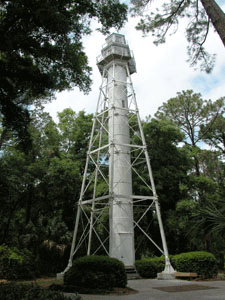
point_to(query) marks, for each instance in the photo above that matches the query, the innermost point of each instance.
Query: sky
(162, 71)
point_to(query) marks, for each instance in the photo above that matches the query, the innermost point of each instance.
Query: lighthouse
(116, 63)
(116, 157)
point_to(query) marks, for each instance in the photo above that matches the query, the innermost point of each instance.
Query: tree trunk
(217, 17)
(3, 136)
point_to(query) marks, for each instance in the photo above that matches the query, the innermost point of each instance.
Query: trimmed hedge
(96, 272)
(16, 264)
(200, 262)
(149, 267)
(25, 292)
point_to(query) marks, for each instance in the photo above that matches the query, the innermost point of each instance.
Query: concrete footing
(166, 276)
(60, 275)
(168, 273)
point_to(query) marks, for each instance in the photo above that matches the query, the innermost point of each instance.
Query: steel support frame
(98, 134)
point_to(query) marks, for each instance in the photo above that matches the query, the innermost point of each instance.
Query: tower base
(60, 276)
(166, 276)
(168, 273)
(132, 273)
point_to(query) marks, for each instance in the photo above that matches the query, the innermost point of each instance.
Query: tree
(178, 222)
(191, 113)
(208, 224)
(216, 135)
(41, 51)
(20, 175)
(39, 190)
(200, 16)
(215, 129)
(211, 218)
(169, 166)
(178, 187)
(169, 163)
(75, 130)
(12, 186)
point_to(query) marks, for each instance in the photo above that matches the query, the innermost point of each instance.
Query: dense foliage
(16, 264)
(200, 262)
(149, 267)
(96, 272)
(52, 258)
(41, 52)
(26, 292)
(39, 190)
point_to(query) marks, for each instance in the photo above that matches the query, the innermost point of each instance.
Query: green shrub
(200, 262)
(25, 292)
(96, 272)
(149, 267)
(219, 255)
(16, 264)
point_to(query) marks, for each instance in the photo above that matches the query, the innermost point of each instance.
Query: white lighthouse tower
(117, 64)
(117, 156)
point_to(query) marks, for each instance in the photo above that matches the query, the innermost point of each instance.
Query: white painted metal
(121, 208)
(112, 159)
